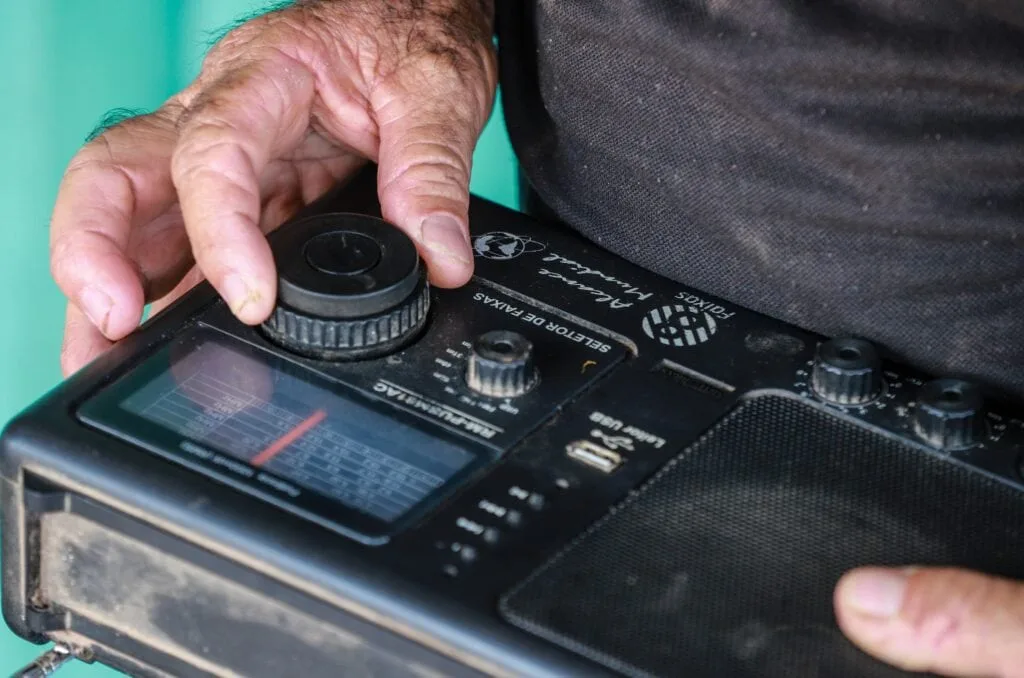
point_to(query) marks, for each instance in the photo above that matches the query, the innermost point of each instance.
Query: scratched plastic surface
(68, 63)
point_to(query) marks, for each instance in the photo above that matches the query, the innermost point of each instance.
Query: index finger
(235, 128)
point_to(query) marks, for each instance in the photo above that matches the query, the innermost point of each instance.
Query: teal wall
(66, 63)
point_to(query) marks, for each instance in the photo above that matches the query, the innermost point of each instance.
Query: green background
(66, 63)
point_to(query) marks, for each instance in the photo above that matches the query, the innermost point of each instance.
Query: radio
(569, 466)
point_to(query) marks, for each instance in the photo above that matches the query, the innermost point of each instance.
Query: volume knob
(949, 414)
(501, 365)
(847, 371)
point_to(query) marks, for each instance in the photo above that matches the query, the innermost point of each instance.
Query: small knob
(501, 365)
(350, 287)
(949, 414)
(847, 371)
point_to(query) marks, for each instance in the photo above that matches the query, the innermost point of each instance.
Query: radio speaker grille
(724, 564)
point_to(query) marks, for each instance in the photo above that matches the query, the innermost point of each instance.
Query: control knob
(501, 365)
(847, 371)
(949, 414)
(350, 287)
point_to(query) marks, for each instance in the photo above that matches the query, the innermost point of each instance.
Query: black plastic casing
(156, 569)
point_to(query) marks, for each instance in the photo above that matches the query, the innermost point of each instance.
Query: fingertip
(449, 278)
(124, 315)
(950, 621)
(250, 298)
(100, 281)
(446, 274)
(875, 592)
(83, 342)
(446, 246)
(868, 602)
(242, 271)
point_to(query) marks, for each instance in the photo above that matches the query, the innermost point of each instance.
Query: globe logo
(504, 246)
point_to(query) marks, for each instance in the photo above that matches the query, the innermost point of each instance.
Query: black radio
(569, 466)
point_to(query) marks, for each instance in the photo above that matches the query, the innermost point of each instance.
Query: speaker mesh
(725, 563)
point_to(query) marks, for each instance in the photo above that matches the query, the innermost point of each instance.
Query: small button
(492, 508)
(514, 518)
(518, 493)
(470, 526)
(467, 553)
(536, 501)
(492, 535)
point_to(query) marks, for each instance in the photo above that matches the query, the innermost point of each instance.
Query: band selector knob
(501, 365)
(847, 371)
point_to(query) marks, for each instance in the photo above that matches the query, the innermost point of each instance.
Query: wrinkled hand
(948, 622)
(286, 105)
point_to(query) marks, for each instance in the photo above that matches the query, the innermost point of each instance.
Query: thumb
(950, 622)
(429, 122)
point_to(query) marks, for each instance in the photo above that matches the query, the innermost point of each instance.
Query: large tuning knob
(501, 365)
(949, 414)
(847, 371)
(349, 287)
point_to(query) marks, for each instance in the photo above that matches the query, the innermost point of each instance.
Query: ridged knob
(950, 414)
(350, 287)
(501, 365)
(847, 371)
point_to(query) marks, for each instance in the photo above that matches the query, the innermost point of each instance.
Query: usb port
(594, 455)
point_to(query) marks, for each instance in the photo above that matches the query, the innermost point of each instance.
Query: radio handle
(47, 663)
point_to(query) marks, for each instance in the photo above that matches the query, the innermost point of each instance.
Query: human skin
(286, 105)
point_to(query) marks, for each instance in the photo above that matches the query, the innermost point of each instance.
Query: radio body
(570, 466)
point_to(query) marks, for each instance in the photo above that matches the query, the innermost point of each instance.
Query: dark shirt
(850, 166)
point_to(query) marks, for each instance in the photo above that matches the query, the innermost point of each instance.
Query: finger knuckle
(430, 200)
(439, 174)
(417, 184)
(87, 163)
(62, 257)
(121, 131)
(207, 250)
(435, 148)
(445, 28)
(99, 155)
(270, 91)
(447, 109)
(457, 77)
(66, 254)
(446, 42)
(208, 153)
(293, 31)
(212, 251)
(225, 104)
(105, 178)
(73, 256)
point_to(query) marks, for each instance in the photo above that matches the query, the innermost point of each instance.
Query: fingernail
(876, 593)
(444, 235)
(238, 293)
(96, 304)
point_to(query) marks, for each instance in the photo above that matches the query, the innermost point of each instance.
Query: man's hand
(285, 106)
(948, 622)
